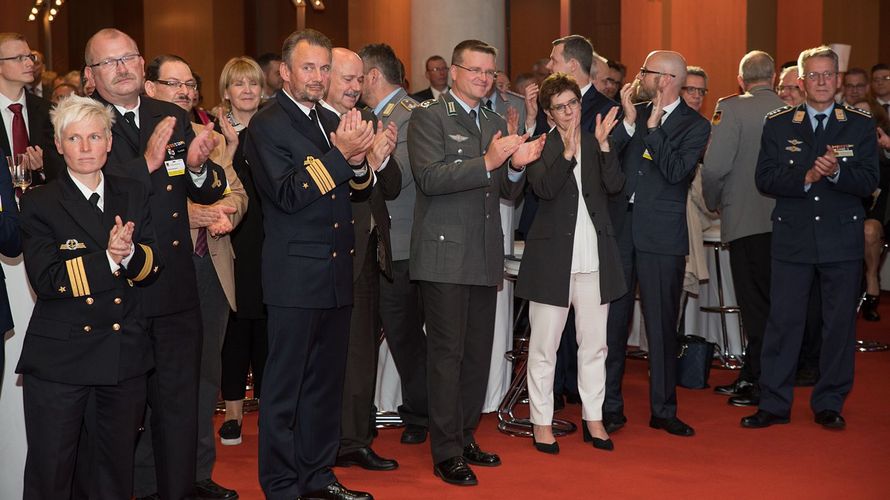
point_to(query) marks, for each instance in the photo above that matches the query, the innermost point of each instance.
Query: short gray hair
(75, 108)
(757, 66)
(822, 51)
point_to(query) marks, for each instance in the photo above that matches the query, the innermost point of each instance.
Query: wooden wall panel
(14, 18)
(856, 24)
(533, 25)
(761, 25)
(642, 29)
(382, 21)
(798, 26)
(601, 22)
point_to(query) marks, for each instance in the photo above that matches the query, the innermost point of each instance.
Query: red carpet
(723, 460)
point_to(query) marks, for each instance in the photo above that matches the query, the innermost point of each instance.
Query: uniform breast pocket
(461, 150)
(443, 248)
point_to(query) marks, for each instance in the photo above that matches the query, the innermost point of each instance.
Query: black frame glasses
(178, 85)
(644, 71)
(112, 62)
(479, 71)
(20, 58)
(695, 90)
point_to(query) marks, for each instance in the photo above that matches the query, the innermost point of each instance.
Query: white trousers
(547, 323)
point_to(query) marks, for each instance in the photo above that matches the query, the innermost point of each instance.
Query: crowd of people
(174, 249)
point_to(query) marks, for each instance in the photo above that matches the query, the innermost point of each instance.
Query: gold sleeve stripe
(147, 265)
(317, 179)
(359, 186)
(323, 171)
(72, 278)
(84, 283)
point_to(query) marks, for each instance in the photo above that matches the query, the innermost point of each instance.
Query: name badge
(646, 154)
(175, 167)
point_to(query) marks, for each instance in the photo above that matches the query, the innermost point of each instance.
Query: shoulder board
(429, 102)
(387, 110)
(728, 97)
(776, 112)
(409, 103)
(515, 94)
(858, 111)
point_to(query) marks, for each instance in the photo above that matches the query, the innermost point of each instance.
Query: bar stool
(508, 422)
(727, 359)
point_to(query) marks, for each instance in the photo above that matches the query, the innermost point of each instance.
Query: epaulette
(515, 94)
(409, 103)
(780, 111)
(858, 110)
(429, 102)
(728, 97)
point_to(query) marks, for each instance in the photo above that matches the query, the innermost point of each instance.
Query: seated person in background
(87, 337)
(875, 211)
(571, 260)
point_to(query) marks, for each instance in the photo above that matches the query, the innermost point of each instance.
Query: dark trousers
(812, 336)
(749, 259)
(790, 291)
(300, 410)
(401, 311)
(460, 330)
(660, 279)
(54, 417)
(168, 450)
(356, 426)
(245, 348)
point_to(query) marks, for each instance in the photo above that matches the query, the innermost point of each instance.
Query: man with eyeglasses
(788, 90)
(880, 84)
(155, 144)
(855, 86)
(696, 87)
(437, 74)
(463, 161)
(169, 78)
(661, 140)
(818, 160)
(615, 80)
(728, 187)
(25, 128)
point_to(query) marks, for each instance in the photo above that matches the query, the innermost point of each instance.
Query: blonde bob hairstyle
(75, 108)
(236, 69)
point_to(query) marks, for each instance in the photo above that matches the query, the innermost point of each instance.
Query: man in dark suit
(400, 307)
(819, 160)
(154, 143)
(437, 74)
(10, 246)
(25, 127)
(307, 165)
(463, 163)
(372, 255)
(662, 140)
(87, 342)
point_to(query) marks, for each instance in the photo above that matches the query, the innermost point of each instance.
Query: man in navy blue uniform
(307, 163)
(819, 160)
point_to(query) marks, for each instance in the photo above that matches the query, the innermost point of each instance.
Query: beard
(641, 93)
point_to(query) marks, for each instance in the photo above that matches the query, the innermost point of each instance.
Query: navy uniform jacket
(659, 167)
(176, 290)
(10, 243)
(87, 327)
(305, 191)
(825, 223)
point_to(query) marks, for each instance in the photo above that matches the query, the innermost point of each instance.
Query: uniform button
(791, 162)
(336, 225)
(175, 215)
(855, 217)
(334, 255)
(90, 301)
(176, 243)
(441, 237)
(459, 151)
(352, 221)
(639, 172)
(816, 198)
(487, 216)
(87, 329)
(169, 187)
(487, 195)
(333, 197)
(116, 326)
(117, 300)
(351, 251)
(817, 217)
(117, 273)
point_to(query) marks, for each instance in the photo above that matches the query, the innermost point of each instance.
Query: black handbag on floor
(694, 362)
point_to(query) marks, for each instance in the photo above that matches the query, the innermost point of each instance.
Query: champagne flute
(18, 168)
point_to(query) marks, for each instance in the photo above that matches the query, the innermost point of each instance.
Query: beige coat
(699, 219)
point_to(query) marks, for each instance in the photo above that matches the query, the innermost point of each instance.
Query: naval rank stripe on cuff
(319, 174)
(77, 277)
(147, 265)
(358, 186)
(317, 179)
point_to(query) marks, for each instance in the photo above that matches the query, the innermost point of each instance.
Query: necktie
(313, 115)
(94, 201)
(201, 242)
(130, 117)
(886, 107)
(473, 117)
(19, 131)
(820, 127)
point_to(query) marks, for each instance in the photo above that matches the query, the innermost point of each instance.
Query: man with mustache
(169, 78)
(154, 143)
(662, 139)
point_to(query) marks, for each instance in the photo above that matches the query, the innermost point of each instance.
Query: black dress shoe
(763, 419)
(870, 308)
(474, 454)
(455, 471)
(830, 419)
(336, 491)
(613, 421)
(672, 425)
(207, 489)
(603, 444)
(806, 376)
(550, 448)
(413, 434)
(750, 396)
(366, 459)
(733, 389)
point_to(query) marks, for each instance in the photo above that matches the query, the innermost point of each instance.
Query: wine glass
(21, 173)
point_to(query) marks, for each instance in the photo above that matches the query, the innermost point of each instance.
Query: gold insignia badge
(795, 142)
(793, 149)
(840, 115)
(387, 110)
(62, 289)
(409, 104)
(715, 120)
(72, 245)
(319, 174)
(798, 116)
(305, 185)
(646, 154)
(451, 110)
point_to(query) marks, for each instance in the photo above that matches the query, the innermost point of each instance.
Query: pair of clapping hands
(359, 140)
(120, 240)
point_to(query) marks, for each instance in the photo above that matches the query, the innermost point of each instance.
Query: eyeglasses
(176, 84)
(479, 72)
(564, 108)
(612, 81)
(695, 90)
(880, 79)
(112, 62)
(437, 70)
(787, 88)
(21, 58)
(644, 71)
(815, 76)
(858, 86)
